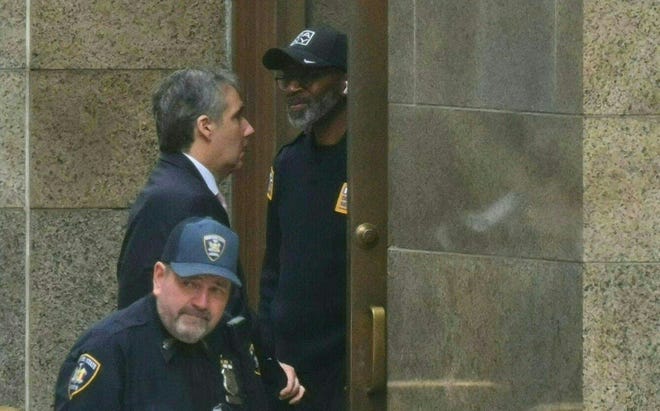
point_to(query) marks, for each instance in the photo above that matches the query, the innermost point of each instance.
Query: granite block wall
(523, 186)
(482, 333)
(12, 317)
(77, 142)
(13, 218)
(485, 279)
(524, 189)
(621, 205)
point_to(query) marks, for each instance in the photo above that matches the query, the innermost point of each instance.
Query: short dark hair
(181, 98)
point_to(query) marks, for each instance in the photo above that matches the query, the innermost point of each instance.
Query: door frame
(258, 26)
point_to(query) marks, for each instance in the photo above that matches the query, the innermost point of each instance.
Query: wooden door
(264, 24)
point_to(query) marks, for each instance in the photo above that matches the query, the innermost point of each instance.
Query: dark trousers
(324, 390)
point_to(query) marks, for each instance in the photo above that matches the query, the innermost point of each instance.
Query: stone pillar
(81, 73)
(621, 160)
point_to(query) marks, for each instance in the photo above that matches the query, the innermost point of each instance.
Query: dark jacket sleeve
(141, 248)
(79, 386)
(147, 233)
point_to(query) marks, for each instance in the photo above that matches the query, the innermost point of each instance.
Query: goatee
(317, 109)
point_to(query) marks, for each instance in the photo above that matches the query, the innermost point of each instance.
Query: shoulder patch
(87, 369)
(342, 200)
(271, 182)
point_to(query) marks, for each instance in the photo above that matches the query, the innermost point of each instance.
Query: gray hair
(184, 96)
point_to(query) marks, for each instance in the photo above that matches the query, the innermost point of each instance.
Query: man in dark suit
(202, 136)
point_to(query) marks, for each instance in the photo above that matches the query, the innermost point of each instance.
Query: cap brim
(277, 59)
(193, 269)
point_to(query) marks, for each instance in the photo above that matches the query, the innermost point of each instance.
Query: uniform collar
(171, 347)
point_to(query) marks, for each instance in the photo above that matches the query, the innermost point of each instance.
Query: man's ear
(204, 126)
(159, 274)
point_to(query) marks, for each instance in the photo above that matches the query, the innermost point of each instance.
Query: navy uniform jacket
(302, 308)
(175, 191)
(128, 361)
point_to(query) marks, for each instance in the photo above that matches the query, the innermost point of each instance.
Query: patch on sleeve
(271, 182)
(342, 200)
(87, 369)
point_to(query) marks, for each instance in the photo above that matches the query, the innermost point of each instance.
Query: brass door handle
(378, 351)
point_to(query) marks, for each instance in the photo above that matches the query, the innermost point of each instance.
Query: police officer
(164, 352)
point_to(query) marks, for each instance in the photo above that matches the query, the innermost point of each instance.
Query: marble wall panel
(12, 33)
(93, 138)
(12, 315)
(621, 337)
(620, 57)
(401, 46)
(73, 284)
(516, 55)
(485, 182)
(508, 330)
(12, 138)
(127, 34)
(622, 189)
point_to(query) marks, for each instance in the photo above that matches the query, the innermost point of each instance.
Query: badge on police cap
(214, 245)
(87, 369)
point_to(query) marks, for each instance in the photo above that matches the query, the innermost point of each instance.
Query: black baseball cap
(314, 47)
(202, 246)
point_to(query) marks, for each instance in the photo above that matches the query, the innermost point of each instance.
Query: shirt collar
(206, 174)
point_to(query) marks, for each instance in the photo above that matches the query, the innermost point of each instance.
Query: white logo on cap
(303, 38)
(214, 245)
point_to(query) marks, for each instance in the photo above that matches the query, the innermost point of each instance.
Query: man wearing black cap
(302, 309)
(160, 353)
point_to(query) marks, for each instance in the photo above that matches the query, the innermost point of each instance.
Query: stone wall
(77, 142)
(524, 245)
(523, 267)
(621, 181)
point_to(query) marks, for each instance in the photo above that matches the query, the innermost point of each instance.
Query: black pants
(324, 390)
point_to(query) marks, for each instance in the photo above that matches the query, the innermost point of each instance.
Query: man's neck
(199, 153)
(210, 178)
(331, 129)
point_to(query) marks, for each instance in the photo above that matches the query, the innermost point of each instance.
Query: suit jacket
(175, 191)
